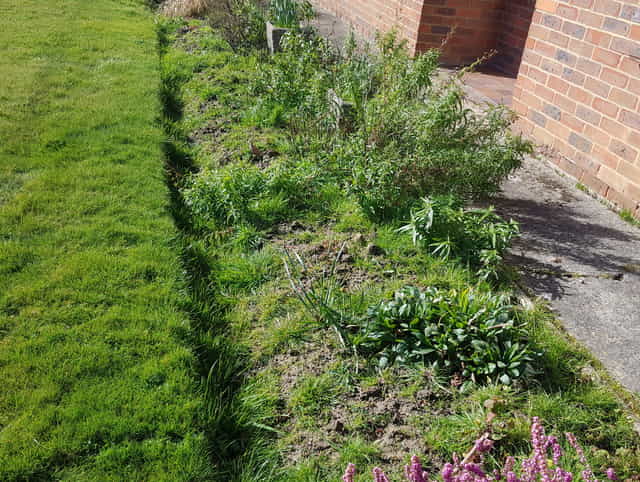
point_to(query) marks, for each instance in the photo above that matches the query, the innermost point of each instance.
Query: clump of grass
(627, 216)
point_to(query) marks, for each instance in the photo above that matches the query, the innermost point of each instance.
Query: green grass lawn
(97, 382)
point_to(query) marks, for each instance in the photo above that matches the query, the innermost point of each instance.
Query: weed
(477, 237)
(241, 22)
(314, 394)
(627, 216)
(243, 193)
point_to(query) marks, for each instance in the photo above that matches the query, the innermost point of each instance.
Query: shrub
(241, 22)
(295, 83)
(547, 462)
(410, 136)
(468, 334)
(477, 237)
(435, 145)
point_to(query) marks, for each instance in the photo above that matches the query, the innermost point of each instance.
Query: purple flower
(447, 472)
(379, 476)
(483, 445)
(536, 468)
(349, 473)
(474, 469)
(414, 473)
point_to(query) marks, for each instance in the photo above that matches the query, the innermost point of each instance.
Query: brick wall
(578, 90)
(512, 34)
(480, 25)
(370, 16)
(476, 23)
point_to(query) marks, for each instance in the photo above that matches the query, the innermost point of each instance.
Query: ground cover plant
(97, 372)
(291, 213)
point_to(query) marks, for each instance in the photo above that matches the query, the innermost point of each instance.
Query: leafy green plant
(289, 13)
(627, 215)
(473, 335)
(295, 83)
(477, 237)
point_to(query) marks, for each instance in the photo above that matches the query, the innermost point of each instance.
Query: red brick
(597, 87)
(608, 7)
(557, 84)
(611, 178)
(630, 65)
(629, 170)
(590, 18)
(592, 182)
(631, 119)
(623, 98)
(606, 107)
(614, 77)
(606, 57)
(623, 151)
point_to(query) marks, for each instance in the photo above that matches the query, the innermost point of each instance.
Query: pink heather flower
(475, 469)
(379, 476)
(483, 445)
(350, 473)
(447, 472)
(556, 449)
(414, 472)
(536, 468)
(509, 464)
(587, 473)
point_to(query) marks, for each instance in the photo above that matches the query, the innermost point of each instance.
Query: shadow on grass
(222, 363)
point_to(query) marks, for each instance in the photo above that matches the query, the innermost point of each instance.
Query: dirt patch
(380, 414)
(333, 255)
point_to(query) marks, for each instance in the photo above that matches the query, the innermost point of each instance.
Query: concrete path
(583, 259)
(574, 251)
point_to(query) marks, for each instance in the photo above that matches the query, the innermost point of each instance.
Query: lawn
(98, 380)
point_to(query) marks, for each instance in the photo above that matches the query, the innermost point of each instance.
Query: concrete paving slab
(582, 258)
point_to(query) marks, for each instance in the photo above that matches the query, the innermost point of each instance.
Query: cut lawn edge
(98, 377)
